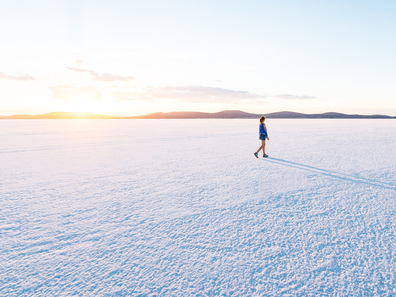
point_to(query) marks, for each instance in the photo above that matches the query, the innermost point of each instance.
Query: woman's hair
(262, 119)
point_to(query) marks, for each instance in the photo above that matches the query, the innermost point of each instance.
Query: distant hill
(226, 114)
(237, 114)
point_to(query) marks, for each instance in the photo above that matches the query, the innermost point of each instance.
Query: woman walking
(262, 137)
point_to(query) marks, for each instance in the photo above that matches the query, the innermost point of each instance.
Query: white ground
(182, 207)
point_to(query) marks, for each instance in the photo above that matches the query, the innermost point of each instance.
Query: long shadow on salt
(333, 174)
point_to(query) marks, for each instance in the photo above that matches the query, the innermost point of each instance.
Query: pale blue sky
(137, 57)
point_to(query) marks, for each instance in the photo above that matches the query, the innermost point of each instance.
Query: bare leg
(262, 146)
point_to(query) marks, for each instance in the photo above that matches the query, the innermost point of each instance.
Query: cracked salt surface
(182, 207)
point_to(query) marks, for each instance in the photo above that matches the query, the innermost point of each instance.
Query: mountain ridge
(225, 114)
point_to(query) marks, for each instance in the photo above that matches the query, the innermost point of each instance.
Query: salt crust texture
(183, 208)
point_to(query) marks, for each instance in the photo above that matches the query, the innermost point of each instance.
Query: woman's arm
(266, 132)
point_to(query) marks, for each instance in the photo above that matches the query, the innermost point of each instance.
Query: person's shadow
(332, 174)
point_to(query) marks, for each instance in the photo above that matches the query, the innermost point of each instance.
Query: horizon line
(190, 115)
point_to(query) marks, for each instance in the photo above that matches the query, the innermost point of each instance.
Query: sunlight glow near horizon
(256, 56)
(82, 104)
(85, 104)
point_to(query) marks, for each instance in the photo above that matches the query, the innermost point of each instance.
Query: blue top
(263, 130)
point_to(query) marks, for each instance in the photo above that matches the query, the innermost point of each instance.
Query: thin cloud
(293, 97)
(20, 77)
(110, 77)
(197, 94)
(67, 93)
(102, 77)
(79, 63)
(78, 69)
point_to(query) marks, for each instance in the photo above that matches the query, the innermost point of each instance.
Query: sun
(82, 104)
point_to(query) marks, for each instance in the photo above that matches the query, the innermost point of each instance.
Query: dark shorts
(263, 136)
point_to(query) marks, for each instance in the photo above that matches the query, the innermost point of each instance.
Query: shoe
(256, 155)
(265, 156)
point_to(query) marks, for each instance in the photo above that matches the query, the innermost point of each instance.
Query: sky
(125, 57)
